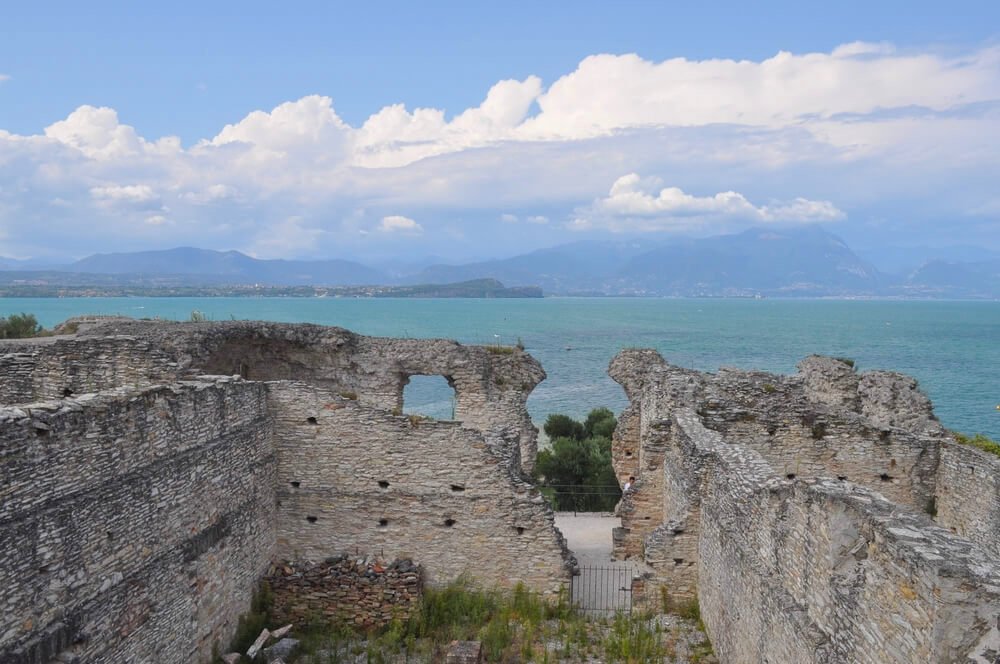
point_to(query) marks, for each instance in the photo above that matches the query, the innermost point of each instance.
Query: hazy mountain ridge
(232, 265)
(789, 262)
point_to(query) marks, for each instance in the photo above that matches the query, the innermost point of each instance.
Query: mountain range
(758, 262)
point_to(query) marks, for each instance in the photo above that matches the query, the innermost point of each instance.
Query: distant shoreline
(392, 292)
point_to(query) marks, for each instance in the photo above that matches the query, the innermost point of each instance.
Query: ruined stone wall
(361, 591)
(829, 421)
(808, 564)
(968, 494)
(352, 478)
(875, 429)
(35, 370)
(828, 571)
(491, 384)
(134, 525)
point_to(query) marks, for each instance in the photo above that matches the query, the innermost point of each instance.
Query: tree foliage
(19, 326)
(576, 472)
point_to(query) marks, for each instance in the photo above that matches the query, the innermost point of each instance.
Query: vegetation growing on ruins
(513, 626)
(979, 441)
(576, 472)
(20, 326)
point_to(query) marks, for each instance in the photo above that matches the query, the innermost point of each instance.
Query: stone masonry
(152, 472)
(364, 592)
(798, 511)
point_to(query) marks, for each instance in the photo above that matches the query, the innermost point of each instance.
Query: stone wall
(134, 524)
(35, 370)
(365, 592)
(834, 560)
(968, 494)
(875, 429)
(491, 384)
(352, 478)
(828, 571)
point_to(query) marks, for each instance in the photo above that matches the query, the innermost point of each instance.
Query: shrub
(563, 426)
(979, 440)
(19, 326)
(577, 468)
(500, 350)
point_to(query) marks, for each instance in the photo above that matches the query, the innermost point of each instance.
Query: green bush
(562, 426)
(500, 350)
(576, 472)
(979, 440)
(19, 326)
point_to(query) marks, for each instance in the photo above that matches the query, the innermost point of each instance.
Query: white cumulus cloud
(133, 193)
(641, 204)
(399, 224)
(864, 122)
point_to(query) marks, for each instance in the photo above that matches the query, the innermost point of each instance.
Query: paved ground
(588, 535)
(602, 583)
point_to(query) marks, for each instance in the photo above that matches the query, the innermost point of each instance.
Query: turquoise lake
(952, 348)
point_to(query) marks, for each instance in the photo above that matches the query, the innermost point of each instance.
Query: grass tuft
(979, 441)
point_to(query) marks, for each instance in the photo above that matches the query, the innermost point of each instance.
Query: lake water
(952, 348)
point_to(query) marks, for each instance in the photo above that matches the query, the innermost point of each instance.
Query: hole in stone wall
(885, 477)
(884, 435)
(457, 487)
(520, 530)
(382, 484)
(841, 477)
(43, 569)
(678, 561)
(311, 519)
(892, 463)
(295, 483)
(790, 476)
(312, 420)
(430, 396)
(67, 392)
(110, 535)
(449, 523)
(42, 432)
(677, 531)
(628, 453)
(382, 523)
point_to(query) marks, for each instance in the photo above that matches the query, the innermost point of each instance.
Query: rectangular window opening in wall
(429, 396)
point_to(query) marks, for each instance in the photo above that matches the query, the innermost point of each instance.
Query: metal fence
(602, 590)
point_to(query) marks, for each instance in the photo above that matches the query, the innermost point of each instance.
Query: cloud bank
(811, 137)
(640, 204)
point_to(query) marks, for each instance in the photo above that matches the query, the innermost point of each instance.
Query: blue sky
(880, 124)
